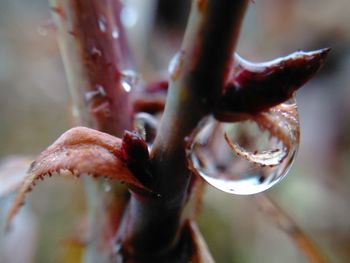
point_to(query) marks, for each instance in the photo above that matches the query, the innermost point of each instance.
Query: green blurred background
(35, 109)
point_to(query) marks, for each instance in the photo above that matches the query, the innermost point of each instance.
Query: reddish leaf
(256, 87)
(79, 151)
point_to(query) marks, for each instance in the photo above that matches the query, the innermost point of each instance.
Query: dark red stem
(95, 31)
(151, 226)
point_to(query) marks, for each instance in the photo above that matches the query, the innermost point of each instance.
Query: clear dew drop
(146, 125)
(174, 62)
(126, 85)
(107, 187)
(129, 79)
(175, 65)
(115, 33)
(102, 24)
(250, 156)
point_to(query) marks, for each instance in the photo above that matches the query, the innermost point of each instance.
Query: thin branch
(94, 49)
(95, 52)
(287, 225)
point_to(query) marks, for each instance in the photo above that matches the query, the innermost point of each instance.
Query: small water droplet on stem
(102, 25)
(115, 33)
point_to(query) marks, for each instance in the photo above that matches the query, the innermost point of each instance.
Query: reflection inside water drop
(250, 156)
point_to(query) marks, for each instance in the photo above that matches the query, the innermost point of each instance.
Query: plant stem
(94, 50)
(151, 226)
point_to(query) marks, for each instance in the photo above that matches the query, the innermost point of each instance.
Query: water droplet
(175, 65)
(107, 187)
(146, 125)
(126, 85)
(102, 24)
(128, 16)
(115, 33)
(129, 79)
(130, 76)
(250, 156)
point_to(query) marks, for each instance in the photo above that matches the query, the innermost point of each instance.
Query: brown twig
(287, 225)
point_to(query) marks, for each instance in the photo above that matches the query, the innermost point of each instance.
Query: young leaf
(79, 151)
(256, 87)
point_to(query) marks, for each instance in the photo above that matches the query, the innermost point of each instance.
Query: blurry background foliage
(35, 109)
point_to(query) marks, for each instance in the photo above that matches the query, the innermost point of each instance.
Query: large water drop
(249, 156)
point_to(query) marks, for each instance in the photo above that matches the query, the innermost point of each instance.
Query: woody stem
(198, 76)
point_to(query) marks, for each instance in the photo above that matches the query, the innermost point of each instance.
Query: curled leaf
(256, 87)
(79, 151)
